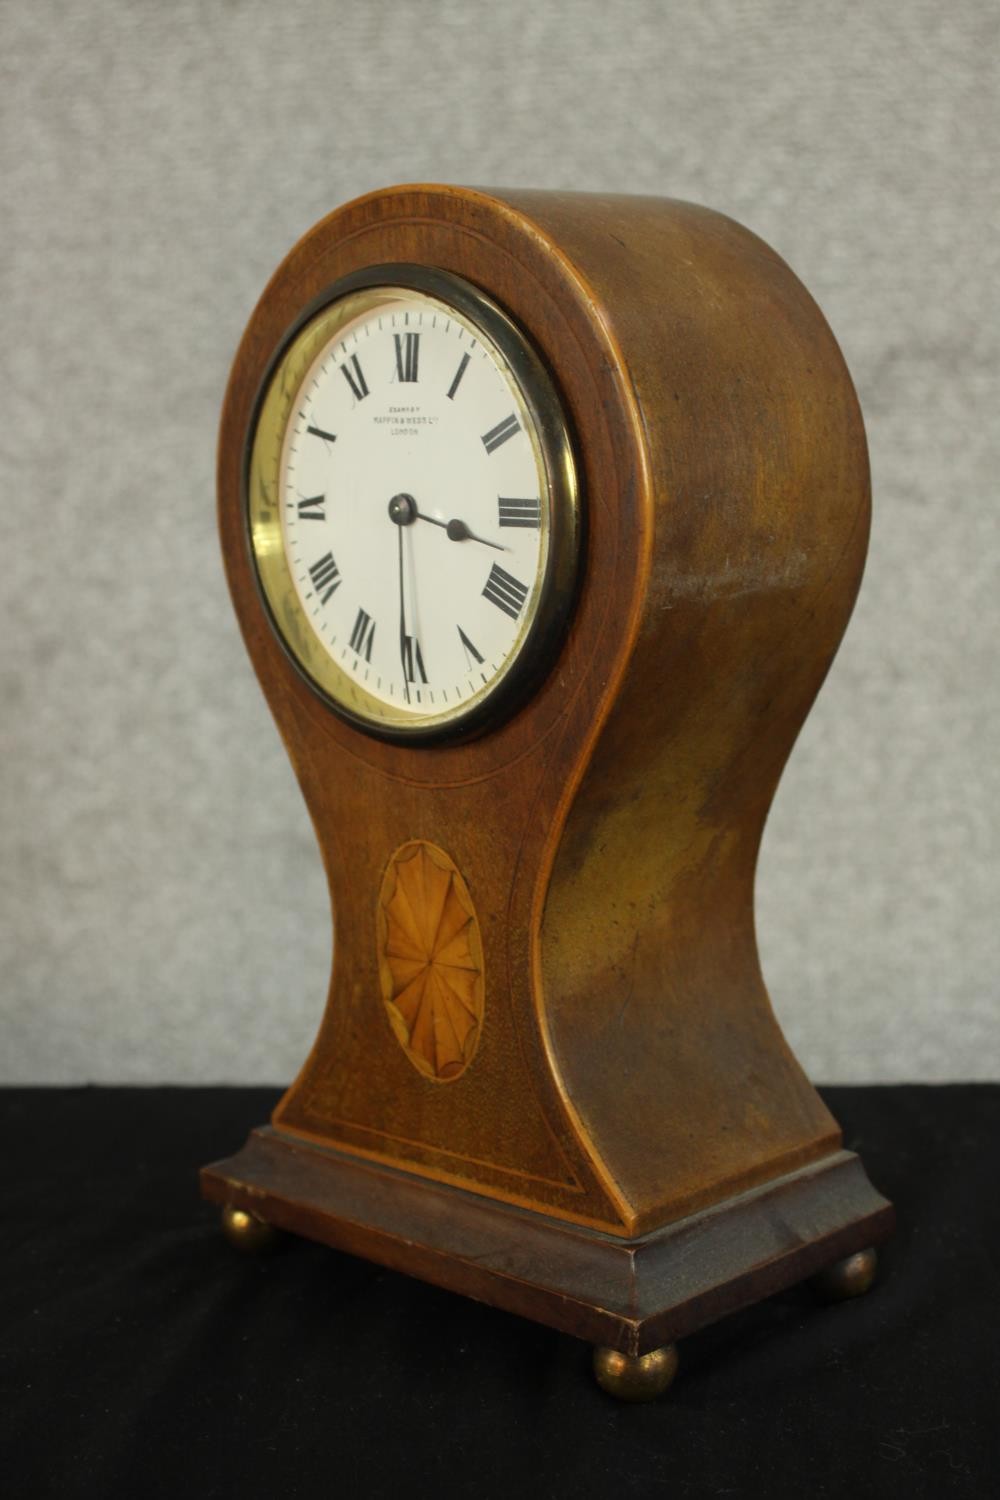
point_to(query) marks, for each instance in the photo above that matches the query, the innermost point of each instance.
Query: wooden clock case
(633, 1149)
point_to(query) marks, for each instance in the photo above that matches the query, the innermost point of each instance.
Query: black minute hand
(402, 619)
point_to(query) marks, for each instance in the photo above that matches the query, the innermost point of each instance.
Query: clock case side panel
(504, 1129)
(653, 1001)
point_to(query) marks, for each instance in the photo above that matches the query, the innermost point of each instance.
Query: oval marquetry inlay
(430, 960)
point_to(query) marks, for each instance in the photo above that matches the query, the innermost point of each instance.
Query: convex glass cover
(412, 505)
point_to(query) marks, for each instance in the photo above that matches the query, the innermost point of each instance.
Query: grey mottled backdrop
(164, 912)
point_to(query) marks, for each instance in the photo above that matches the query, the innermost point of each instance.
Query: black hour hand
(459, 532)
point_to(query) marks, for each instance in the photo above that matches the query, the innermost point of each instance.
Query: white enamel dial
(414, 506)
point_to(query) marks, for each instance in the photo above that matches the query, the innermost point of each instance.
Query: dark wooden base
(629, 1295)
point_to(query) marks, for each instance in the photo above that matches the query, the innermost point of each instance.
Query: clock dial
(412, 517)
(412, 507)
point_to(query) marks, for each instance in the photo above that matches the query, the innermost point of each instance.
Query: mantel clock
(543, 515)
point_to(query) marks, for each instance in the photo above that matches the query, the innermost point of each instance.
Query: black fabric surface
(141, 1356)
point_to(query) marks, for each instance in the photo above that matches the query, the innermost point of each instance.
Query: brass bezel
(548, 430)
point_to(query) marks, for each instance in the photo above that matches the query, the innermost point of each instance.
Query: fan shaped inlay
(430, 960)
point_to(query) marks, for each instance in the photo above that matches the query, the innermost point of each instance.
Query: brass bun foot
(246, 1232)
(640, 1377)
(850, 1277)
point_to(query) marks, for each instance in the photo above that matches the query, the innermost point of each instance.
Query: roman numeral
(470, 650)
(520, 512)
(413, 661)
(328, 437)
(363, 635)
(505, 591)
(312, 509)
(407, 355)
(500, 433)
(458, 376)
(355, 378)
(326, 577)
